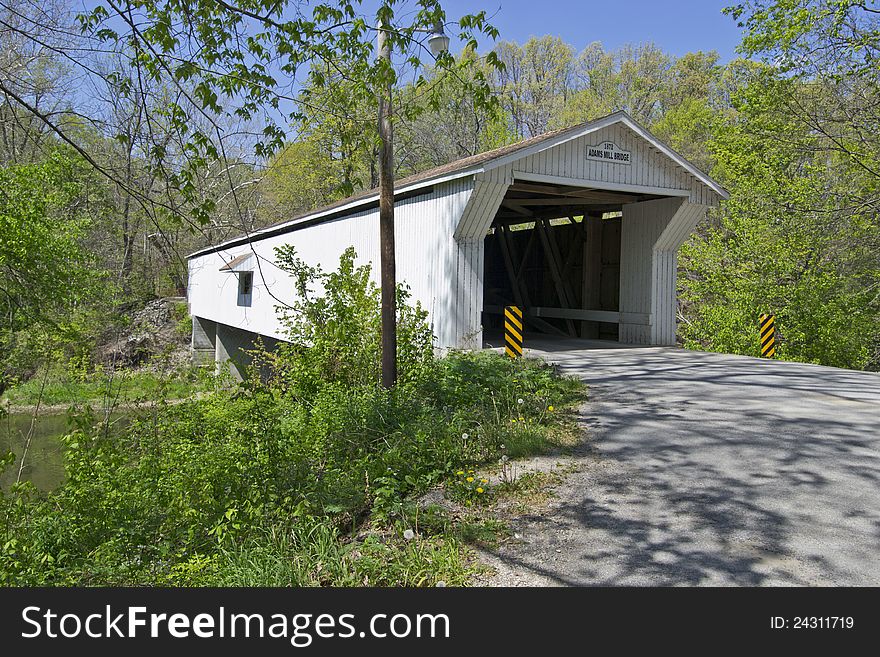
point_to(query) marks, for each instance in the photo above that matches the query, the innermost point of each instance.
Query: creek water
(44, 463)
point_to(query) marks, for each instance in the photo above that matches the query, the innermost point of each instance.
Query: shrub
(334, 329)
(264, 482)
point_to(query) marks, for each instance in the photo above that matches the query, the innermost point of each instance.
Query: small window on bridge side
(245, 287)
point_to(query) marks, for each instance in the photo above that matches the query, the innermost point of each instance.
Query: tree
(800, 236)
(459, 127)
(535, 82)
(30, 69)
(44, 271)
(826, 59)
(640, 80)
(302, 177)
(782, 244)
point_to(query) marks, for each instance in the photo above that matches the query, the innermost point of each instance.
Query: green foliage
(303, 176)
(545, 85)
(468, 488)
(221, 59)
(841, 36)
(781, 246)
(261, 483)
(44, 269)
(334, 332)
(81, 383)
(534, 81)
(800, 155)
(312, 554)
(459, 126)
(486, 532)
(687, 127)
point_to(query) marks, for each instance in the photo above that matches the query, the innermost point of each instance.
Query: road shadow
(713, 469)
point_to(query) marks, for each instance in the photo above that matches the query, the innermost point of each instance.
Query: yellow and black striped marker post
(513, 329)
(768, 335)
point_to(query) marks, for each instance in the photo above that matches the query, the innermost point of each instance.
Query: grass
(486, 525)
(530, 489)
(484, 532)
(255, 486)
(526, 439)
(123, 387)
(308, 472)
(478, 527)
(312, 554)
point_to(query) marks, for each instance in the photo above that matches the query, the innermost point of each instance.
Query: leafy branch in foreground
(233, 67)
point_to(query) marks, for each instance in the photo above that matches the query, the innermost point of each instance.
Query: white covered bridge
(580, 227)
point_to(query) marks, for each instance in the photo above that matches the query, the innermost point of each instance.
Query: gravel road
(709, 469)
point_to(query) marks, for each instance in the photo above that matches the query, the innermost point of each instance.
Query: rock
(152, 330)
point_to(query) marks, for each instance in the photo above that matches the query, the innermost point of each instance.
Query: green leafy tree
(826, 58)
(632, 79)
(799, 236)
(44, 271)
(781, 244)
(535, 82)
(302, 176)
(458, 127)
(334, 328)
(237, 65)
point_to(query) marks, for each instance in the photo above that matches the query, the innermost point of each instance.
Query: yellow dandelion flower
(479, 490)
(460, 472)
(550, 409)
(469, 479)
(485, 481)
(522, 419)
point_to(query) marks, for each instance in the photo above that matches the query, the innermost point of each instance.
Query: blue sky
(677, 26)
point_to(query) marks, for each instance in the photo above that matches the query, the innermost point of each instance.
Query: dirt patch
(529, 494)
(525, 491)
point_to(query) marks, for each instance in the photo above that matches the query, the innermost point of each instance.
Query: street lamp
(438, 42)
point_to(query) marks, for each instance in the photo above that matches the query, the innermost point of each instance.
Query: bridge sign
(608, 151)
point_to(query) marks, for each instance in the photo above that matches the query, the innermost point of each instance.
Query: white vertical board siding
(424, 243)
(440, 238)
(461, 325)
(663, 302)
(651, 233)
(642, 225)
(465, 259)
(649, 167)
(457, 286)
(665, 269)
(481, 207)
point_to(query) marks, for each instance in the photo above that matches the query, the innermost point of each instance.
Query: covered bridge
(580, 227)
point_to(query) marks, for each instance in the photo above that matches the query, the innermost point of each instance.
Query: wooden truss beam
(514, 274)
(518, 208)
(537, 202)
(575, 192)
(551, 251)
(555, 212)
